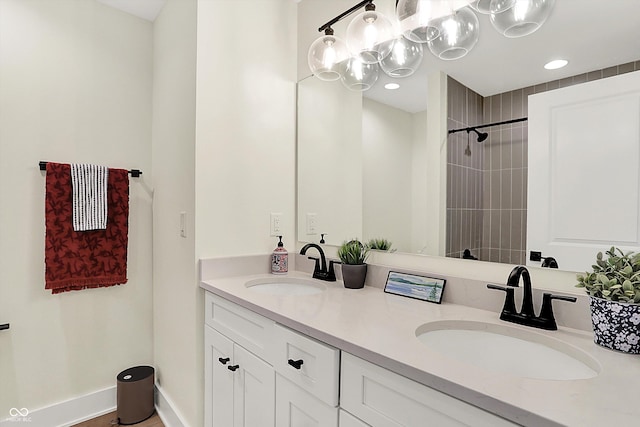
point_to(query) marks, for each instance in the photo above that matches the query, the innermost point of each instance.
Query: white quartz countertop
(380, 328)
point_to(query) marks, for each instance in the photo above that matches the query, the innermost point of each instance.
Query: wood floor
(106, 421)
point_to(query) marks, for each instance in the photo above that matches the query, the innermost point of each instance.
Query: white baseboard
(65, 413)
(83, 408)
(165, 409)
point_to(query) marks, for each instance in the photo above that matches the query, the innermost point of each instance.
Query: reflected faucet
(320, 270)
(527, 316)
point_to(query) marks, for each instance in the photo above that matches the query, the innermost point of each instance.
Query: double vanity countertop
(381, 328)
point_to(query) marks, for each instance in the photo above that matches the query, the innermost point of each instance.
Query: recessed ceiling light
(391, 86)
(555, 64)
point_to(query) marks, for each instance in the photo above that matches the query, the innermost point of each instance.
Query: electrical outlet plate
(276, 223)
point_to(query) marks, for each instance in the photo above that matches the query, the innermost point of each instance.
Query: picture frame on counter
(415, 286)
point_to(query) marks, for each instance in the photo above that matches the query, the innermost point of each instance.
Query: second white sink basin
(508, 350)
(285, 286)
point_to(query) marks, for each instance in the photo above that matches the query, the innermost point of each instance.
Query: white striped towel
(89, 184)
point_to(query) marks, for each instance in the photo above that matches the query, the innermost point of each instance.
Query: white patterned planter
(616, 325)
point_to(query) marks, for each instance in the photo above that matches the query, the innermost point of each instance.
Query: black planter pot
(353, 275)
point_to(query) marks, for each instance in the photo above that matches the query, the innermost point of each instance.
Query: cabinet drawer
(296, 407)
(252, 331)
(385, 399)
(310, 364)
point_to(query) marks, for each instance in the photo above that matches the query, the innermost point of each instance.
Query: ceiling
(590, 34)
(145, 9)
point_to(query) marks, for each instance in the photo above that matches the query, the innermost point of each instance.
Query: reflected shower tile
(540, 88)
(525, 178)
(517, 146)
(506, 100)
(495, 190)
(626, 68)
(505, 189)
(580, 78)
(465, 242)
(505, 229)
(495, 228)
(594, 75)
(517, 188)
(609, 72)
(530, 90)
(486, 189)
(568, 81)
(555, 84)
(505, 256)
(516, 230)
(516, 103)
(505, 147)
(495, 108)
(494, 146)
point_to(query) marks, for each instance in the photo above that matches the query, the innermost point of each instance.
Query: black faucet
(527, 316)
(320, 270)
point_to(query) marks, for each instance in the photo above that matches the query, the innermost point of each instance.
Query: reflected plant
(380, 244)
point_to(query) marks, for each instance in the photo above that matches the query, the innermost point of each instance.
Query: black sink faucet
(527, 316)
(320, 270)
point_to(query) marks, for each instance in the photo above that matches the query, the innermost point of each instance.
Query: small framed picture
(414, 286)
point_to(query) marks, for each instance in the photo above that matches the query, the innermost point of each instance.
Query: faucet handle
(331, 274)
(316, 268)
(546, 312)
(509, 300)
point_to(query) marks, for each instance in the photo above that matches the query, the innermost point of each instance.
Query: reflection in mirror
(487, 187)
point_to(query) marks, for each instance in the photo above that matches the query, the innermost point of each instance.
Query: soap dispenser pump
(280, 259)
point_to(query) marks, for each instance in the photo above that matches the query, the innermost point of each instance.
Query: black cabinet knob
(233, 367)
(296, 363)
(223, 360)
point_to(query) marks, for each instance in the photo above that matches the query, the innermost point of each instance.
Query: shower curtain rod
(135, 173)
(506, 122)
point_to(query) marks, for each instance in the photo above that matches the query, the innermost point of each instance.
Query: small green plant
(353, 252)
(616, 278)
(380, 244)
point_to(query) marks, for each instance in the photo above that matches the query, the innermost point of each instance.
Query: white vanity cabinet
(261, 374)
(239, 378)
(382, 398)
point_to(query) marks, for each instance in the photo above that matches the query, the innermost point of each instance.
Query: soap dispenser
(280, 259)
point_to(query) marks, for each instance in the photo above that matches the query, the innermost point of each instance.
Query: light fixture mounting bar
(344, 14)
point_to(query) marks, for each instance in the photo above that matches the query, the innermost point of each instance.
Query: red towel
(76, 260)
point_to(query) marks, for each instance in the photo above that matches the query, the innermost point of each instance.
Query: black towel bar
(135, 173)
(4, 326)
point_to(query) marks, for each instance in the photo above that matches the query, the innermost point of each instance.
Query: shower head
(481, 135)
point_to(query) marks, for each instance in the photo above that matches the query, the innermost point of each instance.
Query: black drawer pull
(296, 363)
(233, 367)
(224, 360)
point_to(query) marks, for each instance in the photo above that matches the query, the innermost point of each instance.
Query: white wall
(177, 345)
(387, 150)
(73, 88)
(245, 125)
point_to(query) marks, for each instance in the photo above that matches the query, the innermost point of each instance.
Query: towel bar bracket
(135, 173)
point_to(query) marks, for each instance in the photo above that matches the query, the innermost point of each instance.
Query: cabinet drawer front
(296, 407)
(252, 331)
(385, 399)
(348, 420)
(318, 372)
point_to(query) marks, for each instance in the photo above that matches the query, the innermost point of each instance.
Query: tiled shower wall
(487, 191)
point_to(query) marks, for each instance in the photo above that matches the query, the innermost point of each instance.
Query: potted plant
(379, 244)
(614, 288)
(353, 255)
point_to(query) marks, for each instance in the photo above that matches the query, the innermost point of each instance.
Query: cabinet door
(348, 420)
(297, 408)
(253, 391)
(218, 380)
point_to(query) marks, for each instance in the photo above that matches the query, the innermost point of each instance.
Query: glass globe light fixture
(369, 35)
(458, 35)
(522, 18)
(325, 55)
(357, 75)
(419, 18)
(404, 59)
(482, 6)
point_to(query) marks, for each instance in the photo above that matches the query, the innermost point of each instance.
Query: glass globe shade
(498, 6)
(482, 6)
(458, 35)
(325, 55)
(419, 18)
(404, 59)
(358, 76)
(369, 35)
(522, 18)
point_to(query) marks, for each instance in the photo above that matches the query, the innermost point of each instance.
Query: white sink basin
(508, 350)
(285, 286)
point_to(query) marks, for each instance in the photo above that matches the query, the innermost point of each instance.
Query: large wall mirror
(360, 155)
